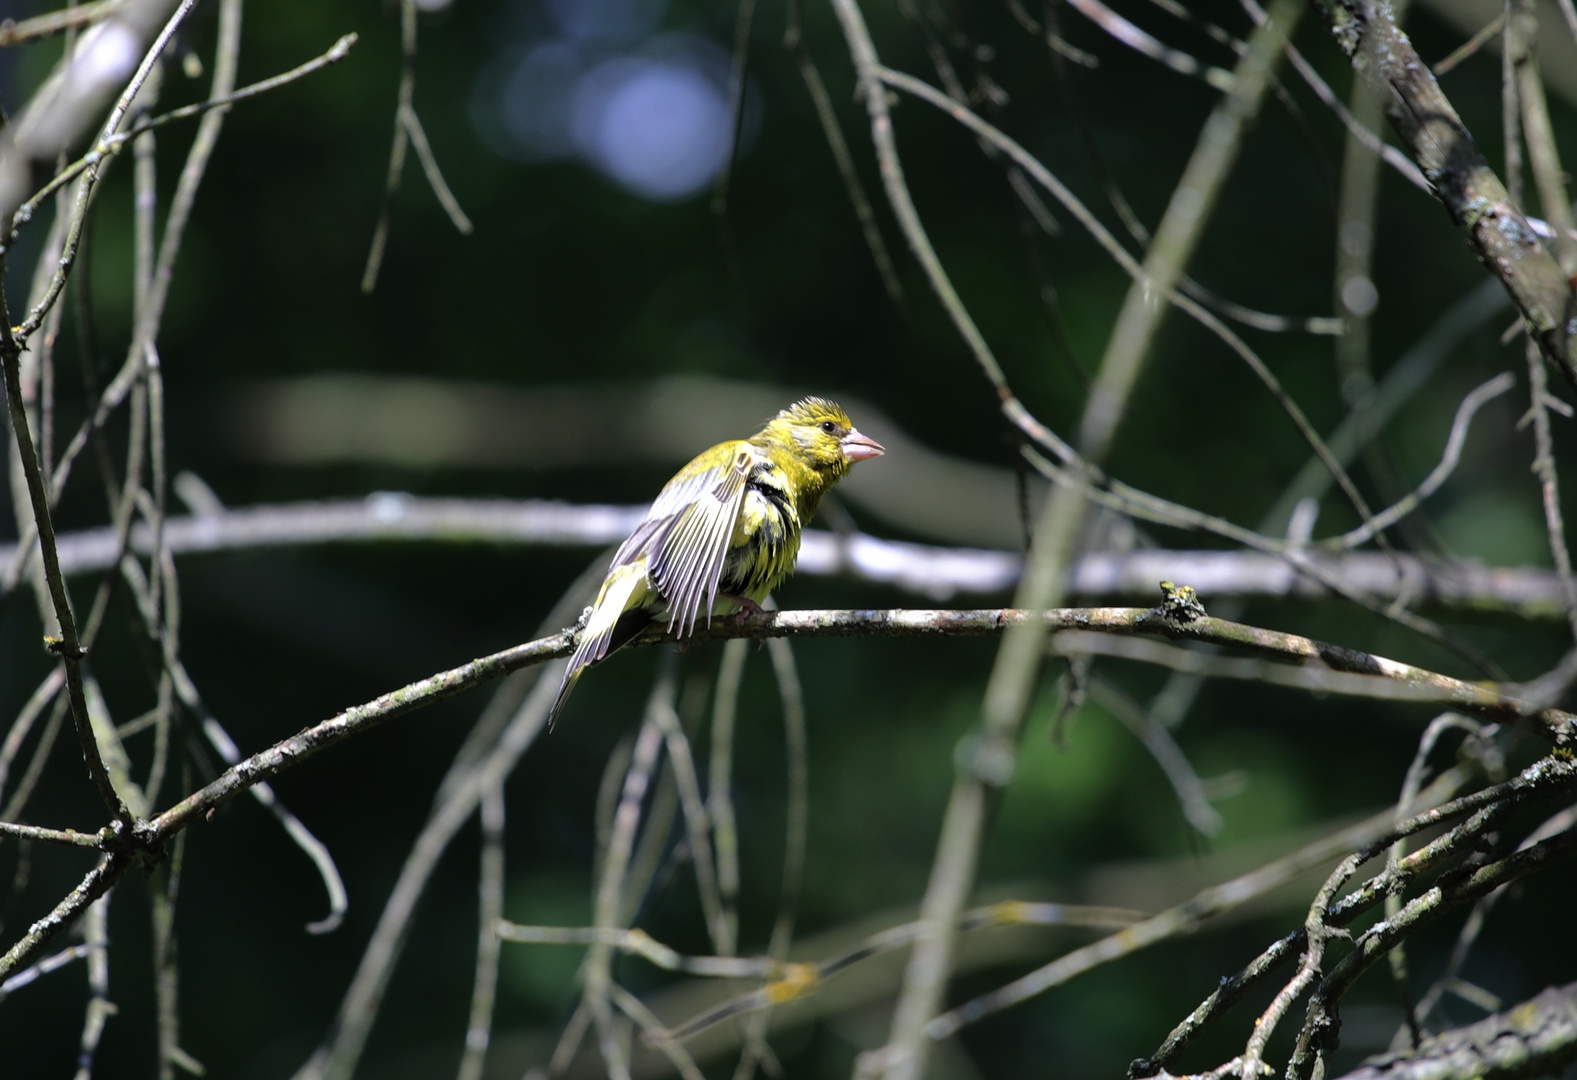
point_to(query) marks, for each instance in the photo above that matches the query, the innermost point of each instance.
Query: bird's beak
(857, 447)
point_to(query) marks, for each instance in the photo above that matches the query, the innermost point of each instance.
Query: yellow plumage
(723, 533)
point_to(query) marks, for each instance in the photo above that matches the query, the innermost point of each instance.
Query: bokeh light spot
(659, 128)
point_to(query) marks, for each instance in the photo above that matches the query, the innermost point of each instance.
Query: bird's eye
(828, 426)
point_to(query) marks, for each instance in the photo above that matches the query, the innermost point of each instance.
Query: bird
(722, 534)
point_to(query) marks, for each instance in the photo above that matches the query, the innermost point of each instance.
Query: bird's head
(820, 434)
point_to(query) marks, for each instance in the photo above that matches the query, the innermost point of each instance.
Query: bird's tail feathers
(566, 685)
(595, 638)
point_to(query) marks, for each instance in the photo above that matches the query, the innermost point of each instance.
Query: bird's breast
(765, 541)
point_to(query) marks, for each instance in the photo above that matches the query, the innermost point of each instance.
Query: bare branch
(456, 801)
(939, 573)
(53, 836)
(54, 22)
(490, 891)
(797, 980)
(1536, 1038)
(1439, 474)
(1438, 141)
(72, 99)
(1130, 35)
(1372, 836)
(94, 885)
(1470, 46)
(1549, 482)
(100, 1008)
(1543, 154)
(1318, 1037)
(1477, 698)
(793, 40)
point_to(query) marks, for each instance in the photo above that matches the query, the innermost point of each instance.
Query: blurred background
(611, 314)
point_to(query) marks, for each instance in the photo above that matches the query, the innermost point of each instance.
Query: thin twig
(44, 967)
(166, 882)
(867, 69)
(1449, 458)
(391, 183)
(1315, 937)
(720, 778)
(986, 761)
(738, 67)
(791, 693)
(1569, 12)
(113, 143)
(697, 826)
(1318, 1039)
(793, 40)
(1549, 482)
(1449, 979)
(1103, 413)
(435, 176)
(22, 726)
(1355, 293)
(1405, 807)
(1180, 774)
(54, 836)
(54, 22)
(1322, 90)
(797, 980)
(97, 882)
(99, 1008)
(1309, 676)
(111, 125)
(1404, 379)
(69, 646)
(490, 893)
(456, 802)
(1120, 29)
(1234, 987)
(1544, 157)
(637, 942)
(35, 766)
(1470, 46)
(1370, 838)
(653, 1030)
(1144, 506)
(597, 973)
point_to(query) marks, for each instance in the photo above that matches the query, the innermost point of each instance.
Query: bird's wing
(685, 534)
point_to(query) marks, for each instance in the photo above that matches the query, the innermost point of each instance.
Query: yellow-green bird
(723, 533)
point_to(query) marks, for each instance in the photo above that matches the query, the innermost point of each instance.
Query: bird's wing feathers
(686, 533)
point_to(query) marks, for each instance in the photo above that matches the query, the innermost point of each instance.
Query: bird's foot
(747, 606)
(579, 624)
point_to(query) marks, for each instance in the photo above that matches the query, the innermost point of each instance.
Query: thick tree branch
(1437, 139)
(1536, 1038)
